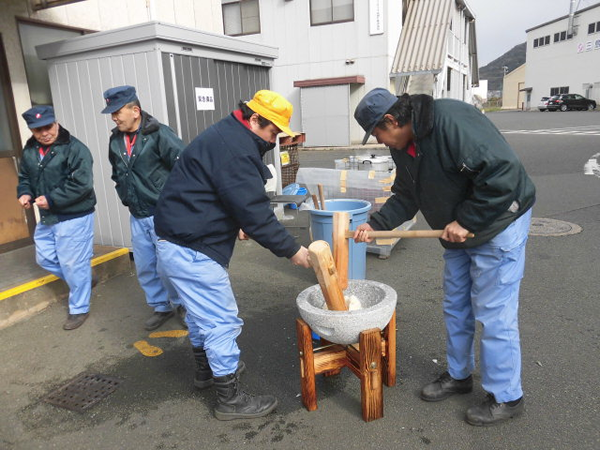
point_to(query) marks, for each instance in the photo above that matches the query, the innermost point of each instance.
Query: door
(14, 229)
(326, 115)
(578, 102)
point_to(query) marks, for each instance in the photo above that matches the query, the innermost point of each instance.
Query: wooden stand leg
(389, 359)
(307, 365)
(370, 370)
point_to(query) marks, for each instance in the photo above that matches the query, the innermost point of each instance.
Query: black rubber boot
(233, 403)
(203, 377)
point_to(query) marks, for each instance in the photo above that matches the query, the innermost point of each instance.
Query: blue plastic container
(321, 224)
(293, 189)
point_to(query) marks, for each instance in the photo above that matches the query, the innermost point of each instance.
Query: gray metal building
(185, 78)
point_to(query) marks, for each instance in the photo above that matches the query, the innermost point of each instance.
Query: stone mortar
(378, 302)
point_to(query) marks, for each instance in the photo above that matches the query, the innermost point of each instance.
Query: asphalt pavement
(157, 407)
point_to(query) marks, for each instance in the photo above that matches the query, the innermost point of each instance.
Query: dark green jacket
(464, 170)
(64, 176)
(140, 179)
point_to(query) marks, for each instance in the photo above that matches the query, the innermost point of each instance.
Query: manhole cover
(551, 227)
(84, 391)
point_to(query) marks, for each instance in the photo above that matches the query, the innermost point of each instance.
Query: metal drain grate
(83, 392)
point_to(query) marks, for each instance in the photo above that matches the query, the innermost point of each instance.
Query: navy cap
(372, 108)
(118, 97)
(39, 116)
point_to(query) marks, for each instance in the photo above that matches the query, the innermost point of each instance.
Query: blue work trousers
(160, 295)
(65, 249)
(482, 284)
(212, 313)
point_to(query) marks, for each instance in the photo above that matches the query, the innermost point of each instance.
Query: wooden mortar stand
(372, 360)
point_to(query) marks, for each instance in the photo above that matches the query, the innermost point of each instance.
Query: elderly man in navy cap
(56, 176)
(142, 152)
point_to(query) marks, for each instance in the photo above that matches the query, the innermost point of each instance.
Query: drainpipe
(572, 8)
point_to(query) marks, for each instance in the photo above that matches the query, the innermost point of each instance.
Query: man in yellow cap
(215, 191)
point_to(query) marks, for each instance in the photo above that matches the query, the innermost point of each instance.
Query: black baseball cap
(372, 108)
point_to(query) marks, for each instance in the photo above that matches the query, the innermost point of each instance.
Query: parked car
(543, 105)
(566, 102)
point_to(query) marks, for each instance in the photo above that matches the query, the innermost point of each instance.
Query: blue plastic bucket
(321, 224)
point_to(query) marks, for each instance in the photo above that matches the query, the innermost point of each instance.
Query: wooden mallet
(341, 245)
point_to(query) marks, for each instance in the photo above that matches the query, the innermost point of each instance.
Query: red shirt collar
(412, 149)
(238, 115)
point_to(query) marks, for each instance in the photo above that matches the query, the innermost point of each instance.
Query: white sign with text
(205, 99)
(375, 17)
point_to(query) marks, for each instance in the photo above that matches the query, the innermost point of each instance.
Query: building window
(594, 28)
(559, 90)
(32, 34)
(37, 5)
(449, 80)
(240, 17)
(562, 36)
(541, 41)
(331, 11)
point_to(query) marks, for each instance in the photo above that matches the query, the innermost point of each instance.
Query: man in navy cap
(142, 152)
(455, 167)
(56, 176)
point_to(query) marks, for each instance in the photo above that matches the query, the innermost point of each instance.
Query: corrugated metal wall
(165, 63)
(230, 81)
(77, 88)
(423, 42)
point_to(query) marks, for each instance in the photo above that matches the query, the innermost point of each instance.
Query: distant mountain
(494, 73)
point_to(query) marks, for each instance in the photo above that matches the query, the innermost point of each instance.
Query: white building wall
(327, 51)
(573, 62)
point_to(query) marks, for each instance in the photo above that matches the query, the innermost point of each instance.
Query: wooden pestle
(324, 267)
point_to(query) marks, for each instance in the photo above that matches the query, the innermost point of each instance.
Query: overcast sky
(501, 24)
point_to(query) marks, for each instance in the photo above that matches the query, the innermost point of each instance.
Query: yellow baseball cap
(274, 107)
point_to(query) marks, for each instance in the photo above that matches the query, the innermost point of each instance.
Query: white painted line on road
(593, 130)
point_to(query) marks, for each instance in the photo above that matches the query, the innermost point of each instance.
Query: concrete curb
(32, 297)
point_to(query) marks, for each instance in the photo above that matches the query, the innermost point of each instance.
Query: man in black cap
(142, 152)
(455, 167)
(56, 176)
